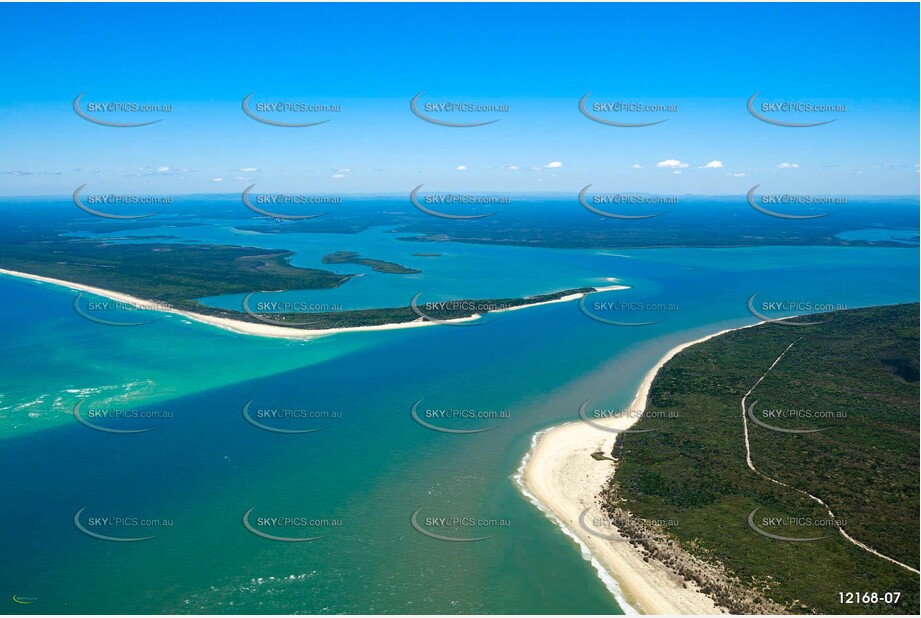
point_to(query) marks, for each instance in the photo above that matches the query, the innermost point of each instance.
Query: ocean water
(357, 482)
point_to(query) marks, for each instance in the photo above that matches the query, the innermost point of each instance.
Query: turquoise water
(371, 466)
(459, 271)
(53, 358)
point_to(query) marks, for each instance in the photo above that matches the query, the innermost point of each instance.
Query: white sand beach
(269, 330)
(560, 476)
(563, 299)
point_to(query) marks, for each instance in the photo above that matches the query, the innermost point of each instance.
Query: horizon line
(237, 194)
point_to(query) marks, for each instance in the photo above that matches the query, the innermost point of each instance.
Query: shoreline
(560, 478)
(268, 330)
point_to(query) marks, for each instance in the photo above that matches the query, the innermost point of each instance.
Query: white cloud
(338, 176)
(217, 179)
(712, 165)
(163, 170)
(512, 167)
(671, 163)
(248, 169)
(736, 174)
(553, 165)
(788, 166)
(345, 170)
(461, 168)
(676, 172)
(637, 166)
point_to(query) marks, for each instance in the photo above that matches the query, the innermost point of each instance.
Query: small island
(381, 266)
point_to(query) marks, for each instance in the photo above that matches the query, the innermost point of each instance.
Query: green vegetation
(695, 221)
(447, 310)
(351, 257)
(858, 370)
(177, 275)
(167, 272)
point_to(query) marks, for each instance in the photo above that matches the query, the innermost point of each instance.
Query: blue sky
(538, 59)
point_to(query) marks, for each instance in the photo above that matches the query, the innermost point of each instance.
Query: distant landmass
(550, 222)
